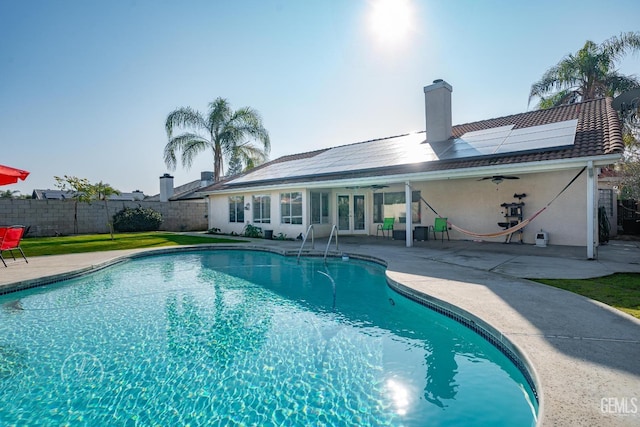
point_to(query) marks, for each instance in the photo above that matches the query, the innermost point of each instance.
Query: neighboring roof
(186, 191)
(132, 197)
(62, 195)
(593, 125)
(51, 194)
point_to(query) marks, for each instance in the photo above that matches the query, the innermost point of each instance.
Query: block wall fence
(53, 217)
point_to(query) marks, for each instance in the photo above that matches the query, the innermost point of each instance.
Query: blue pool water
(245, 338)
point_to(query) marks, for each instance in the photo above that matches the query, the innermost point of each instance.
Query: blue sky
(85, 86)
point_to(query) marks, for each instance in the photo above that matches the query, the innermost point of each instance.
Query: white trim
(591, 211)
(351, 217)
(408, 198)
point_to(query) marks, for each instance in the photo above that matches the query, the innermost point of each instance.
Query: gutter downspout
(409, 218)
(591, 213)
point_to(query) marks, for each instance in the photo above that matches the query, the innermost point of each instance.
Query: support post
(407, 202)
(591, 212)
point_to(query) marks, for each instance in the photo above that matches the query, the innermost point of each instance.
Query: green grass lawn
(37, 246)
(620, 290)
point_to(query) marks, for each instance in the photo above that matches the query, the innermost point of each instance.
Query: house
(185, 192)
(538, 168)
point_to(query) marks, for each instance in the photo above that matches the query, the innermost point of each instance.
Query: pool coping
(477, 325)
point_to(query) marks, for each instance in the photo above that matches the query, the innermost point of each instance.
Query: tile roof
(188, 191)
(598, 132)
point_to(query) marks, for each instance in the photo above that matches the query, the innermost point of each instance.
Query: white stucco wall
(468, 203)
(475, 206)
(219, 214)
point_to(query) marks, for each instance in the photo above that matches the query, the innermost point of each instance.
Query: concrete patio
(583, 355)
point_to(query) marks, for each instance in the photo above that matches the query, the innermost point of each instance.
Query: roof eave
(474, 172)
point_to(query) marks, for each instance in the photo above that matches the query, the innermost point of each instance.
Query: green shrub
(137, 219)
(252, 231)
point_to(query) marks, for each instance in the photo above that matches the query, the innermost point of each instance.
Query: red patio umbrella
(10, 175)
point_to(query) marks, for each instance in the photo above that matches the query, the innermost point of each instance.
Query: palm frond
(589, 73)
(617, 47)
(184, 117)
(219, 114)
(249, 153)
(562, 97)
(191, 148)
(557, 78)
(182, 143)
(618, 83)
(248, 122)
(245, 123)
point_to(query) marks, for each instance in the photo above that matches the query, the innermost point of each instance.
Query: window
(262, 209)
(392, 204)
(378, 204)
(236, 209)
(291, 208)
(606, 200)
(319, 208)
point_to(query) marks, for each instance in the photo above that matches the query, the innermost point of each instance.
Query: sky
(86, 86)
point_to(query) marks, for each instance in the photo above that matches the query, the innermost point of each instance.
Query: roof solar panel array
(505, 139)
(412, 148)
(547, 136)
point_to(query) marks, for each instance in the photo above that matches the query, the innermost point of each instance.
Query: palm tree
(589, 73)
(224, 131)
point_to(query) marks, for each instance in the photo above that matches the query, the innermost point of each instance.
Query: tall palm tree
(589, 73)
(222, 130)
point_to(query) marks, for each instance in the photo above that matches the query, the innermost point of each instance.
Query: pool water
(245, 338)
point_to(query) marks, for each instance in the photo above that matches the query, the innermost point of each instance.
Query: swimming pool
(246, 338)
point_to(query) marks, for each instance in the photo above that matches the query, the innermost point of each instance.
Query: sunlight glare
(391, 20)
(399, 394)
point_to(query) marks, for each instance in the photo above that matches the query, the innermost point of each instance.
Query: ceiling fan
(497, 179)
(374, 187)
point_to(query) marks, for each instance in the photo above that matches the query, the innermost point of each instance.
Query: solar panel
(505, 139)
(540, 137)
(411, 148)
(404, 149)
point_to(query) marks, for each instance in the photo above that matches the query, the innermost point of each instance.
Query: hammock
(510, 230)
(499, 233)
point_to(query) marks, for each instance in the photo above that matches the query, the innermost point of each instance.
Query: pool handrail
(333, 283)
(304, 240)
(333, 228)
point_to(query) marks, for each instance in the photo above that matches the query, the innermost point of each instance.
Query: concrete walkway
(583, 355)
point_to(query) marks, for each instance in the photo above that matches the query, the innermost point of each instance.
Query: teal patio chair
(386, 227)
(440, 226)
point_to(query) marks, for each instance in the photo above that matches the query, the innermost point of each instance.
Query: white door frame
(351, 225)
